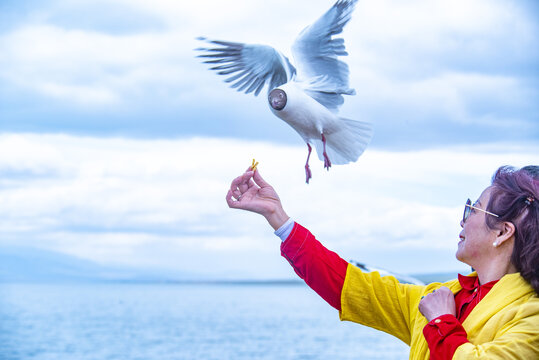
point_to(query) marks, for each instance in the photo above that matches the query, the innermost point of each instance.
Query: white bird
(307, 98)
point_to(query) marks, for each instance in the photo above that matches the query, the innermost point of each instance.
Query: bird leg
(327, 162)
(308, 174)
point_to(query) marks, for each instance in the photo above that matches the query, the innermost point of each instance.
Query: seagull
(308, 96)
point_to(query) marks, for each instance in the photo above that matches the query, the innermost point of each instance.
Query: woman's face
(476, 239)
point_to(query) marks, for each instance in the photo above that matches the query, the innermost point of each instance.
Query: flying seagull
(308, 96)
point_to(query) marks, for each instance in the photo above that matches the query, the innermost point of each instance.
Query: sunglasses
(468, 210)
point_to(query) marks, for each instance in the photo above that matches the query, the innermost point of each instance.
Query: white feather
(345, 139)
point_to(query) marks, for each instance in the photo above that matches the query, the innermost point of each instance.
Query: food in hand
(254, 165)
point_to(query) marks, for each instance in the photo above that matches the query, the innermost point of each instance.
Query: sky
(118, 145)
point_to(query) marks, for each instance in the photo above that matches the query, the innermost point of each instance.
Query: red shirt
(445, 333)
(324, 271)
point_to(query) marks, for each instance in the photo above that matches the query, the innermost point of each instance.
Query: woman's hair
(515, 198)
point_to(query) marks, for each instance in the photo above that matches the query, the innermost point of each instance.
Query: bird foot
(308, 173)
(327, 162)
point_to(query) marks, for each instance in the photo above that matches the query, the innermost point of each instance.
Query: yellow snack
(253, 165)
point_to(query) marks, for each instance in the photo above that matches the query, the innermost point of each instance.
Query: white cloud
(416, 32)
(408, 48)
(88, 68)
(461, 98)
(161, 203)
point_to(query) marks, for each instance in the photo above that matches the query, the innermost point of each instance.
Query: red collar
(470, 283)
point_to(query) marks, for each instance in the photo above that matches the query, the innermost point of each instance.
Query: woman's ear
(504, 233)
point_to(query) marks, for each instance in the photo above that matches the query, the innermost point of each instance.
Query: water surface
(180, 321)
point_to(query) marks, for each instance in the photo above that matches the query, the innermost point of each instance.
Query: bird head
(277, 99)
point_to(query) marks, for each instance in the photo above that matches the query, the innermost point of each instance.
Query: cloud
(430, 36)
(161, 203)
(427, 69)
(89, 68)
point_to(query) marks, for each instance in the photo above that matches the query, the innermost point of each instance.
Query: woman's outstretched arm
(323, 270)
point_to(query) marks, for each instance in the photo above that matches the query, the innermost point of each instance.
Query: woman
(492, 313)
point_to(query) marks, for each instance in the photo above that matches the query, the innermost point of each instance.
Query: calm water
(146, 322)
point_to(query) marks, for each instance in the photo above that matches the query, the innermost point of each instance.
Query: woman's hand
(437, 303)
(250, 192)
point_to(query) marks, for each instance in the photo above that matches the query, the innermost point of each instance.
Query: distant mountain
(20, 264)
(23, 264)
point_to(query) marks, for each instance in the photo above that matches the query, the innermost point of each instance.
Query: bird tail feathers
(347, 144)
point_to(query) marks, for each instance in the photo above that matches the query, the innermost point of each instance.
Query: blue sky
(118, 145)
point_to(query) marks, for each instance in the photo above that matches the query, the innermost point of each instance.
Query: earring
(495, 244)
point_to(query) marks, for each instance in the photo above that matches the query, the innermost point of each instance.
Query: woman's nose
(462, 223)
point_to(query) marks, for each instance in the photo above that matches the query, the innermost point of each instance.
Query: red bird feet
(327, 162)
(308, 173)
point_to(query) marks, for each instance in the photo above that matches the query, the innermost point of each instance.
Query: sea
(140, 321)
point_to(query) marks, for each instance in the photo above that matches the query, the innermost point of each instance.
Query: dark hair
(532, 170)
(515, 198)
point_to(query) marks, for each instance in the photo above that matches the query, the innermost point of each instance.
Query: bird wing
(316, 54)
(250, 66)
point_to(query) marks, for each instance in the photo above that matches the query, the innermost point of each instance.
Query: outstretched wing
(316, 54)
(250, 66)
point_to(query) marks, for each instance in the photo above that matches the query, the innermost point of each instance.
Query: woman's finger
(259, 180)
(236, 182)
(247, 175)
(246, 178)
(243, 187)
(251, 183)
(230, 201)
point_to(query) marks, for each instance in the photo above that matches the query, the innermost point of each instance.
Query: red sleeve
(323, 270)
(444, 335)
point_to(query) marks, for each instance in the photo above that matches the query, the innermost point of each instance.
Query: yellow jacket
(504, 325)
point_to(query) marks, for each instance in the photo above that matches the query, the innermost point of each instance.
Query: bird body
(345, 138)
(304, 114)
(307, 98)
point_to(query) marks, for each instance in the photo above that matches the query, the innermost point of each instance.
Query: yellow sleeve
(380, 302)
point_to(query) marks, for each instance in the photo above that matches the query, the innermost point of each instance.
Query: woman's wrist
(277, 218)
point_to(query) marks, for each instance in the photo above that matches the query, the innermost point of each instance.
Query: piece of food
(254, 165)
